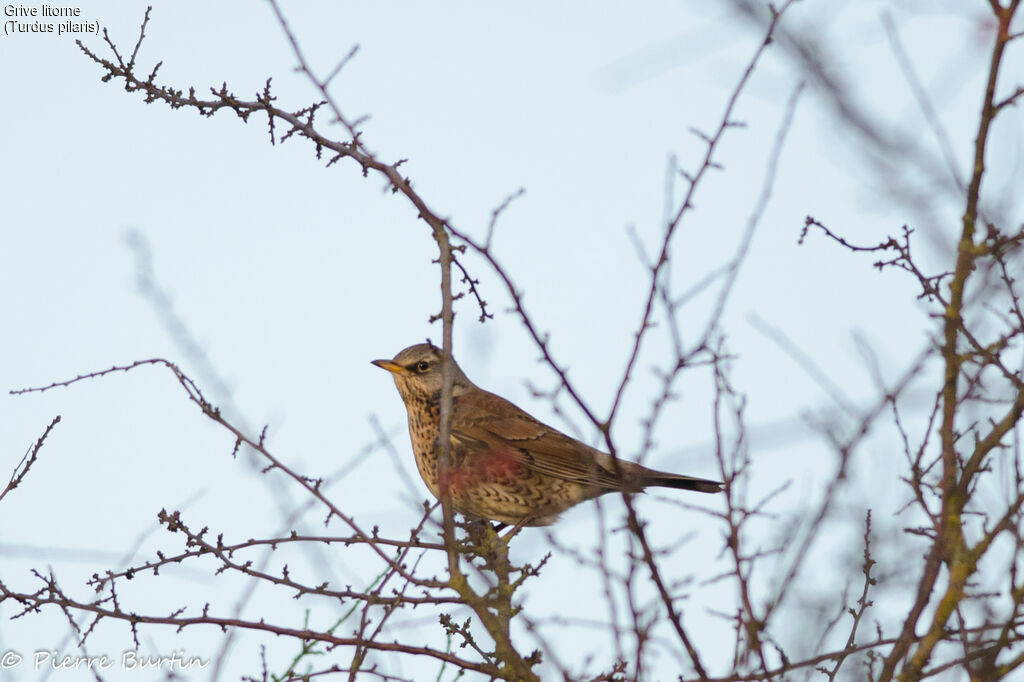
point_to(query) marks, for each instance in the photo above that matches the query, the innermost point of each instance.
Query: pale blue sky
(292, 277)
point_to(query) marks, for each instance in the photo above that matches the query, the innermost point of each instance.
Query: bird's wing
(496, 424)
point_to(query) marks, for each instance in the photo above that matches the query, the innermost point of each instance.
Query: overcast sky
(275, 280)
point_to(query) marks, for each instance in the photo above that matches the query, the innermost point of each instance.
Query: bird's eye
(422, 366)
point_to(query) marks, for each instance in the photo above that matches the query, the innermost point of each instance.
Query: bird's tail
(701, 485)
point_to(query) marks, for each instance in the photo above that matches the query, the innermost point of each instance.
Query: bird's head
(417, 371)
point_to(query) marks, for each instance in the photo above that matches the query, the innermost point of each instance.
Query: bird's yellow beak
(392, 367)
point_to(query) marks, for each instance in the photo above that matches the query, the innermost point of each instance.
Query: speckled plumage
(506, 465)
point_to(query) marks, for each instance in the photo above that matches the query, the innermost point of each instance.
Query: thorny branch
(20, 471)
(976, 410)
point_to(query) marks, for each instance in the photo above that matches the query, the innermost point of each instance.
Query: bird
(505, 465)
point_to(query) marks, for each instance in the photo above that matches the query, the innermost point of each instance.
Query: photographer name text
(129, 660)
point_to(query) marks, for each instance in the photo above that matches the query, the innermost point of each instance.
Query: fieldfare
(506, 465)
